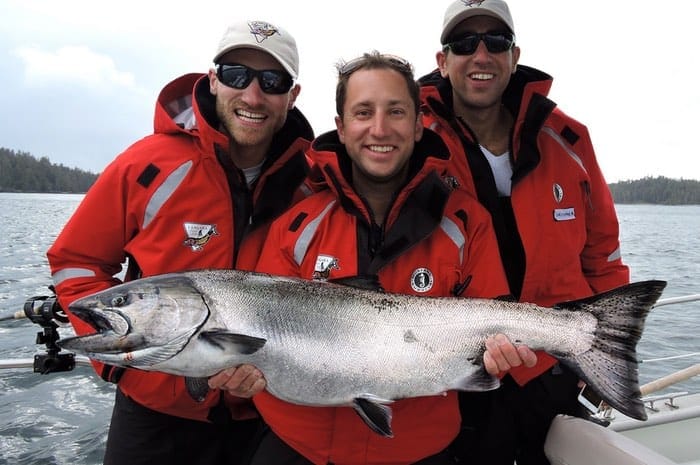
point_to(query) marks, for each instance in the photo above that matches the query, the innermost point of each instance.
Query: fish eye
(118, 301)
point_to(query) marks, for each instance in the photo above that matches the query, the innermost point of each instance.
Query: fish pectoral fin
(375, 414)
(228, 341)
(477, 380)
(197, 388)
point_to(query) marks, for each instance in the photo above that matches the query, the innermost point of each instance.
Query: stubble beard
(241, 135)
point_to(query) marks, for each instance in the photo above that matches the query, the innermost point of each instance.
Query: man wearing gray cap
(226, 158)
(534, 168)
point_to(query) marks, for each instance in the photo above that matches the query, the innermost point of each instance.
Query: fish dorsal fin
(365, 282)
(197, 388)
(228, 341)
(375, 414)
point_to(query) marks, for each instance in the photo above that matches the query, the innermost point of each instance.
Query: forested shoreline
(22, 172)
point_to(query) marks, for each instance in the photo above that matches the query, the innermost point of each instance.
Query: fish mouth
(106, 320)
(113, 336)
(101, 346)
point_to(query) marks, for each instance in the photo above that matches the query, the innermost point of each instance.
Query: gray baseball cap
(460, 10)
(261, 35)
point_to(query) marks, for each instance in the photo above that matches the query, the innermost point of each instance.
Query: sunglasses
(272, 81)
(496, 42)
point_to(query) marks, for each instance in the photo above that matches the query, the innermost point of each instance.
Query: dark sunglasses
(272, 81)
(496, 42)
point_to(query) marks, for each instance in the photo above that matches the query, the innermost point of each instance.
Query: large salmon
(324, 344)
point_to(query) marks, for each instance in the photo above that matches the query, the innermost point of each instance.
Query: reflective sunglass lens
(495, 43)
(465, 46)
(275, 82)
(240, 76)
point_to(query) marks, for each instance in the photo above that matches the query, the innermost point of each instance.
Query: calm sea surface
(62, 418)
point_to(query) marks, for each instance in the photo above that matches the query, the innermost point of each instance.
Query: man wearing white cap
(226, 158)
(534, 168)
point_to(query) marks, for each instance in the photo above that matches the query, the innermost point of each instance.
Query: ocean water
(62, 418)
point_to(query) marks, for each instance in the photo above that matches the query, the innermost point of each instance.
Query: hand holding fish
(501, 355)
(242, 381)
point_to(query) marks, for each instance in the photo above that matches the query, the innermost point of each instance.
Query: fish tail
(610, 366)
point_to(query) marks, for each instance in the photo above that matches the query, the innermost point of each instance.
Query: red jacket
(558, 232)
(436, 242)
(174, 201)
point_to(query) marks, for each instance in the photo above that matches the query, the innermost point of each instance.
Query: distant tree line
(659, 190)
(21, 172)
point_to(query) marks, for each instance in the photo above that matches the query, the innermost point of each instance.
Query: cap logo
(470, 3)
(262, 30)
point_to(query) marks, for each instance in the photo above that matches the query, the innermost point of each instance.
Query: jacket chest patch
(564, 214)
(324, 265)
(558, 192)
(197, 235)
(422, 280)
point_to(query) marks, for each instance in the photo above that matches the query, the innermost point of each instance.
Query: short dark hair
(375, 60)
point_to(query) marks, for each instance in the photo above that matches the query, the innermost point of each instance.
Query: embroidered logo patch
(262, 30)
(558, 192)
(197, 235)
(422, 280)
(324, 265)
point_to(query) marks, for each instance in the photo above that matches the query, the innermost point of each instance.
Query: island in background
(22, 172)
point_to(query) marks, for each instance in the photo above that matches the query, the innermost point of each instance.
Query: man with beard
(226, 158)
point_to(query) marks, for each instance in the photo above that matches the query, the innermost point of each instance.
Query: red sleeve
(89, 250)
(601, 258)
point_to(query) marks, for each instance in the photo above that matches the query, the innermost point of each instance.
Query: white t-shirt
(502, 171)
(252, 173)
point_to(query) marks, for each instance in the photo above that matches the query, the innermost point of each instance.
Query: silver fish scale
(328, 345)
(348, 342)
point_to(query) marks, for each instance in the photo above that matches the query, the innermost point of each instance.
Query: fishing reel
(46, 312)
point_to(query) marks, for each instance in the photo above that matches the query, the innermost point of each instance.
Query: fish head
(139, 323)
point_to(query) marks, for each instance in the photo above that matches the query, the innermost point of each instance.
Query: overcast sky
(80, 78)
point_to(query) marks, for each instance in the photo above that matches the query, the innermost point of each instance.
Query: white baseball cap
(462, 9)
(261, 35)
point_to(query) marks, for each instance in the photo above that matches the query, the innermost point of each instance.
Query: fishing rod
(46, 312)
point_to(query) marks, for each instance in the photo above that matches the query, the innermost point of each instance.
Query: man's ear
(441, 58)
(516, 58)
(419, 127)
(213, 80)
(293, 94)
(340, 128)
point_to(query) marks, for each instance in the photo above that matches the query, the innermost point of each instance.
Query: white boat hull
(672, 429)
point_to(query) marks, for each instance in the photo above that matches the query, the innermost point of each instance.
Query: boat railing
(668, 399)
